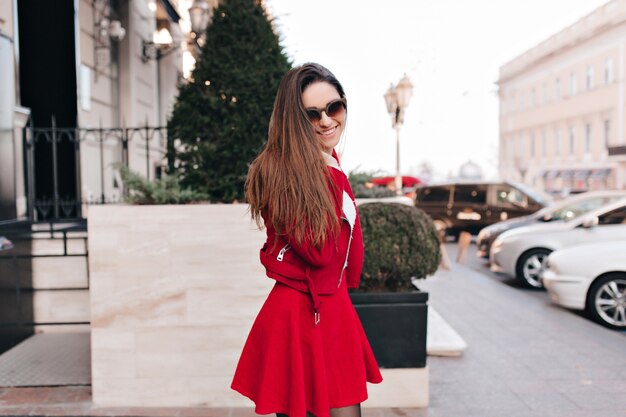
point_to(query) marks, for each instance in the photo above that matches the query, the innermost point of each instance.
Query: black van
(470, 206)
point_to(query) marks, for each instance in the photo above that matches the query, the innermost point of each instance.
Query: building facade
(84, 84)
(562, 107)
(96, 81)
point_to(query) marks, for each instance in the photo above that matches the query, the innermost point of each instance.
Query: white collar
(331, 161)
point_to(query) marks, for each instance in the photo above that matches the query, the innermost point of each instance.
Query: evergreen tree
(221, 115)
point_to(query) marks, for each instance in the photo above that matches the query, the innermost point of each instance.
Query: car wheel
(606, 301)
(530, 266)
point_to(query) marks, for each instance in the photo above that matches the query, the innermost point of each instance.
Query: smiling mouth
(328, 132)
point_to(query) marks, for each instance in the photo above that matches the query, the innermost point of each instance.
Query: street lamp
(200, 14)
(397, 99)
(107, 28)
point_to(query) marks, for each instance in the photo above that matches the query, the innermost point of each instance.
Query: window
(435, 194)
(509, 196)
(572, 84)
(533, 101)
(557, 89)
(608, 71)
(544, 144)
(557, 142)
(588, 138)
(607, 133)
(532, 145)
(572, 140)
(613, 217)
(474, 194)
(545, 92)
(574, 210)
(589, 78)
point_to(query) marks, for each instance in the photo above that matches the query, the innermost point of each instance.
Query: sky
(450, 49)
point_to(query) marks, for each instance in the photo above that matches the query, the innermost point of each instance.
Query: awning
(600, 174)
(170, 10)
(407, 181)
(581, 174)
(550, 174)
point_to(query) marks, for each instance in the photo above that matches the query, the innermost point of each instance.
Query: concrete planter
(395, 324)
(174, 292)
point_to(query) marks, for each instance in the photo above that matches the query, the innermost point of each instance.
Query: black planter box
(395, 325)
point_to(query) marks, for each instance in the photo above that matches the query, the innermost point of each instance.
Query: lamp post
(397, 99)
(200, 14)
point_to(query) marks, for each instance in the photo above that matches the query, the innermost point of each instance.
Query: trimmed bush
(401, 243)
(357, 182)
(166, 190)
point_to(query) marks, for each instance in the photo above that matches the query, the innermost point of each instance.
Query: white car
(521, 253)
(590, 277)
(561, 210)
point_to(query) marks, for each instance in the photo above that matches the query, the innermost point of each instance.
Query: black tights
(349, 411)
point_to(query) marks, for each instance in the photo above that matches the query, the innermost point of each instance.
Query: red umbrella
(407, 181)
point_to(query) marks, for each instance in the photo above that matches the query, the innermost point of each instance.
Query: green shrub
(361, 191)
(166, 190)
(401, 243)
(359, 178)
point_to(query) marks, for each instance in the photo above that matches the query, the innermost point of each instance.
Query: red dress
(291, 365)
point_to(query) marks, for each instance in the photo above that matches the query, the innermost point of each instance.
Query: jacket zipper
(345, 262)
(281, 254)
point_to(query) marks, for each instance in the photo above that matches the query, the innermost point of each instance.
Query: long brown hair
(287, 183)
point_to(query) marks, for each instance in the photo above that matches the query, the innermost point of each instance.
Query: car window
(435, 194)
(507, 195)
(574, 210)
(472, 194)
(539, 196)
(617, 216)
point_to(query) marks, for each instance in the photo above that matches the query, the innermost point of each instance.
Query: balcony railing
(617, 150)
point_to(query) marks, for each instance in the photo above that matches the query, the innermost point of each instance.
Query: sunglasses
(332, 109)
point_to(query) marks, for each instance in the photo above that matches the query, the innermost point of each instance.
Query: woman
(307, 353)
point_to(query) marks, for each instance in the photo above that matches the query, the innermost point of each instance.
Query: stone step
(441, 338)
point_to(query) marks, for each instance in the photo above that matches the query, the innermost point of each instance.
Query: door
(509, 203)
(469, 208)
(47, 68)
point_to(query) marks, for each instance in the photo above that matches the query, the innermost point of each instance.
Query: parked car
(470, 206)
(562, 210)
(590, 277)
(522, 252)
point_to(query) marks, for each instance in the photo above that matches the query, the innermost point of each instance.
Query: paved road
(525, 356)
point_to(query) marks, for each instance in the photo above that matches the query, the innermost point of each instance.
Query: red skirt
(291, 366)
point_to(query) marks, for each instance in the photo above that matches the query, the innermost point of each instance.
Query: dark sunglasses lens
(335, 108)
(314, 115)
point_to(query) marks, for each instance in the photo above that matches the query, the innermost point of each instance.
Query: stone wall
(174, 292)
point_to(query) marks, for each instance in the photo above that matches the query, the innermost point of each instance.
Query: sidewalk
(525, 358)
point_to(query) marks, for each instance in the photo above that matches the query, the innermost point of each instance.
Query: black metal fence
(55, 180)
(59, 165)
(18, 287)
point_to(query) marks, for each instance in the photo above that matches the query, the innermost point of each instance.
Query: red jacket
(320, 270)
